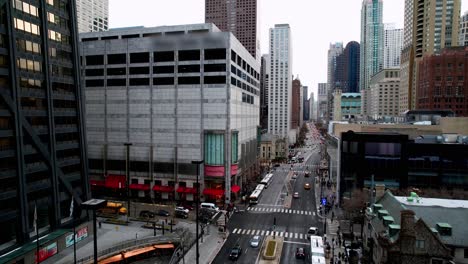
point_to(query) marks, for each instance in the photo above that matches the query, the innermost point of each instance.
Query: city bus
(317, 252)
(267, 180)
(260, 187)
(255, 196)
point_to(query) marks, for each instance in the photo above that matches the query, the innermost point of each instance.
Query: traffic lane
(248, 254)
(270, 194)
(289, 255)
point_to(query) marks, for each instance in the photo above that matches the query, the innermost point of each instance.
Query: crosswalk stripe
(274, 210)
(267, 233)
(281, 234)
(300, 236)
(248, 232)
(313, 213)
(295, 235)
(294, 211)
(243, 232)
(282, 210)
(249, 208)
(302, 212)
(289, 211)
(234, 231)
(269, 209)
(262, 233)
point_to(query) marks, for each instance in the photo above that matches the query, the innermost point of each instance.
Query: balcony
(69, 161)
(66, 129)
(36, 93)
(65, 112)
(71, 144)
(64, 96)
(34, 111)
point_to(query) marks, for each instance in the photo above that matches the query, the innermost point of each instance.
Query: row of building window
(192, 80)
(244, 65)
(164, 56)
(193, 68)
(247, 98)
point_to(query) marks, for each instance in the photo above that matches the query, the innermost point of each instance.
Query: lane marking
(267, 233)
(243, 231)
(248, 232)
(263, 232)
(300, 236)
(281, 234)
(234, 231)
(295, 235)
(294, 242)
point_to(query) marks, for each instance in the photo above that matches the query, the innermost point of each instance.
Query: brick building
(296, 104)
(442, 81)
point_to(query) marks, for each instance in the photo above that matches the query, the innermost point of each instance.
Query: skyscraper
(280, 81)
(92, 15)
(430, 25)
(463, 35)
(334, 51)
(322, 103)
(312, 106)
(296, 104)
(393, 42)
(264, 74)
(372, 41)
(305, 103)
(347, 69)
(240, 17)
(43, 162)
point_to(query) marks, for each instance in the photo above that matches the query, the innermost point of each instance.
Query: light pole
(197, 204)
(93, 205)
(127, 174)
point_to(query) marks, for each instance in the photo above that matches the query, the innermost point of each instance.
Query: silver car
(255, 241)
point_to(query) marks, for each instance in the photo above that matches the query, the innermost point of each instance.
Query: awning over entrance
(213, 192)
(187, 190)
(159, 188)
(235, 188)
(139, 187)
(115, 181)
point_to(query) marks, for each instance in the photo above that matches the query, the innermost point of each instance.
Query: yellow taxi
(307, 186)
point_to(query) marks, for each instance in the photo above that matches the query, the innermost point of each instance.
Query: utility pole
(127, 174)
(197, 205)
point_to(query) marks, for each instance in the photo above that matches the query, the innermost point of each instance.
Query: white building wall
(92, 15)
(393, 43)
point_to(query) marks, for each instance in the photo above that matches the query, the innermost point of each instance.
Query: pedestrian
(333, 215)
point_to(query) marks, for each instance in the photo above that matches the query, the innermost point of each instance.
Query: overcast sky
(314, 24)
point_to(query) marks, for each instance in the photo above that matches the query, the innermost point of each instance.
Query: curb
(218, 248)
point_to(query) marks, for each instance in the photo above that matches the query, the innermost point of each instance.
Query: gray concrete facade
(164, 107)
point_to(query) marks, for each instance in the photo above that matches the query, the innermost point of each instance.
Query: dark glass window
(163, 69)
(94, 83)
(116, 82)
(215, 67)
(139, 81)
(189, 80)
(94, 72)
(215, 54)
(139, 70)
(95, 60)
(116, 71)
(163, 56)
(215, 79)
(140, 57)
(187, 55)
(117, 59)
(233, 56)
(163, 81)
(189, 68)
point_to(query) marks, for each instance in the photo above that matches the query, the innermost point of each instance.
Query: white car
(182, 209)
(296, 195)
(313, 231)
(255, 242)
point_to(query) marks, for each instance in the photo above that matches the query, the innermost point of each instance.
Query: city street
(291, 223)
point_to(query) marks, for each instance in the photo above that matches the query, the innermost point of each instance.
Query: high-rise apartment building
(312, 107)
(430, 25)
(177, 96)
(43, 165)
(393, 43)
(264, 76)
(322, 103)
(443, 81)
(296, 103)
(240, 17)
(305, 103)
(463, 35)
(334, 51)
(383, 94)
(92, 15)
(346, 77)
(372, 45)
(280, 81)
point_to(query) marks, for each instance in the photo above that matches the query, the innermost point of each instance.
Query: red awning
(159, 188)
(139, 187)
(235, 188)
(97, 183)
(187, 190)
(213, 192)
(115, 181)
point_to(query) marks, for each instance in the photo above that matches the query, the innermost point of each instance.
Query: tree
(355, 206)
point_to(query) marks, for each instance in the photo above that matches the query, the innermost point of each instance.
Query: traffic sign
(324, 201)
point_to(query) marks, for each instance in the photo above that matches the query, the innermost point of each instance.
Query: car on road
(300, 253)
(147, 214)
(294, 176)
(162, 213)
(182, 209)
(306, 174)
(181, 212)
(236, 251)
(313, 231)
(255, 242)
(277, 165)
(296, 195)
(307, 186)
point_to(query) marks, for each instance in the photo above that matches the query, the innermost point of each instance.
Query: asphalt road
(292, 223)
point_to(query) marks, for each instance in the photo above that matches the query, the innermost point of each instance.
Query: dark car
(235, 252)
(300, 253)
(163, 213)
(277, 165)
(147, 214)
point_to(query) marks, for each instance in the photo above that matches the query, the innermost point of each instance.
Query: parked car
(186, 205)
(182, 209)
(296, 195)
(181, 213)
(236, 251)
(300, 253)
(163, 213)
(307, 186)
(147, 214)
(255, 241)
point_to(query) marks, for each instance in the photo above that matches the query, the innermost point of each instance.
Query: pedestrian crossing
(257, 232)
(332, 226)
(279, 210)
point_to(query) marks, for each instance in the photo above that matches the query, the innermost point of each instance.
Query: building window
(420, 244)
(466, 253)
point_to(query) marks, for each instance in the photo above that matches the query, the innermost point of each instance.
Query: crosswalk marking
(281, 234)
(234, 231)
(248, 232)
(295, 235)
(282, 210)
(243, 232)
(300, 236)
(285, 234)
(313, 213)
(302, 212)
(263, 232)
(267, 233)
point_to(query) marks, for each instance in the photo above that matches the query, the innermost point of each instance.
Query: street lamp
(197, 204)
(127, 174)
(93, 205)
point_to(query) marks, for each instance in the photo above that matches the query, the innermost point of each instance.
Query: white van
(210, 206)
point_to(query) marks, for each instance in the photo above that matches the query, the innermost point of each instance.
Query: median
(272, 248)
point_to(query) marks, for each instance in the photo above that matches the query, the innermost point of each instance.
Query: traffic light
(274, 221)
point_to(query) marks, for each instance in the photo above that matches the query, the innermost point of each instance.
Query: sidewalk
(209, 248)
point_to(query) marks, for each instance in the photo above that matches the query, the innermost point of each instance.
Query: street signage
(324, 201)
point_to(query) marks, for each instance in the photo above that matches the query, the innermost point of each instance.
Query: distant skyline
(314, 25)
